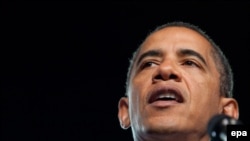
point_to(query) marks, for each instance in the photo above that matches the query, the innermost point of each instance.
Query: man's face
(174, 84)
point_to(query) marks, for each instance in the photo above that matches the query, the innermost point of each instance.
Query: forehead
(176, 37)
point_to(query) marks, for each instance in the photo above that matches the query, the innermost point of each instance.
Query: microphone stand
(217, 127)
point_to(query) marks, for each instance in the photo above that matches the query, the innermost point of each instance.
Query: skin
(195, 79)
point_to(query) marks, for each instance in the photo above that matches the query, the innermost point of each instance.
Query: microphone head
(217, 126)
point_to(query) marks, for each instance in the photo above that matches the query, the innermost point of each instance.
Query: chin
(162, 126)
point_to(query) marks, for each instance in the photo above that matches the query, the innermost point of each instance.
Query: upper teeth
(168, 95)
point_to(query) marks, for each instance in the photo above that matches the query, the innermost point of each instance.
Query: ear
(123, 113)
(230, 107)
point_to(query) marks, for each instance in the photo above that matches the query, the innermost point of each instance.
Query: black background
(63, 64)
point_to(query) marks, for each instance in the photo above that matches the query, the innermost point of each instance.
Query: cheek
(204, 93)
(141, 82)
(138, 94)
(201, 84)
(136, 106)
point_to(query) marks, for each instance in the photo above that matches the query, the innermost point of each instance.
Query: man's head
(177, 80)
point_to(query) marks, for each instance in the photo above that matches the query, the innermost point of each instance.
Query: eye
(190, 63)
(147, 64)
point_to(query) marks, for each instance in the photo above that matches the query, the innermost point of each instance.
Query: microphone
(217, 127)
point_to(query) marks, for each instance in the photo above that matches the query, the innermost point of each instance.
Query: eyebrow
(150, 53)
(189, 52)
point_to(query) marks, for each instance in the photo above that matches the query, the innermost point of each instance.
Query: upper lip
(162, 90)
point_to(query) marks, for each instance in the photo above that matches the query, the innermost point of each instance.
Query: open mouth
(166, 94)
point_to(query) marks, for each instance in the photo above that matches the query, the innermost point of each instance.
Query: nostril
(158, 77)
(173, 76)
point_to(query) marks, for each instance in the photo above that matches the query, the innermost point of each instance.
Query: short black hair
(222, 63)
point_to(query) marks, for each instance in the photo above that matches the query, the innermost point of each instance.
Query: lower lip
(164, 104)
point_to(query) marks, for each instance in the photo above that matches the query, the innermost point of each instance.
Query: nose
(167, 71)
